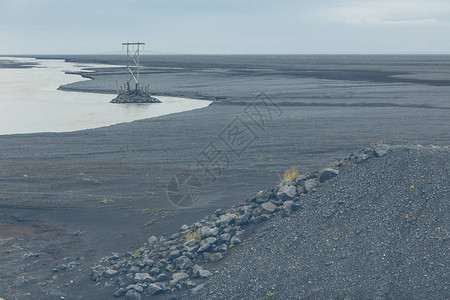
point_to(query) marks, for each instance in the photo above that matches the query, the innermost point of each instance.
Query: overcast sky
(225, 26)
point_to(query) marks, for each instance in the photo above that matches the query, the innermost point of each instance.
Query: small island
(136, 96)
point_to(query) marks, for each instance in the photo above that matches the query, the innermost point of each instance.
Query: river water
(31, 103)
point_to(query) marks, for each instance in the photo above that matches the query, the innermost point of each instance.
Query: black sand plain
(75, 197)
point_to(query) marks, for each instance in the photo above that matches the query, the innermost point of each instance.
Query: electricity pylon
(133, 64)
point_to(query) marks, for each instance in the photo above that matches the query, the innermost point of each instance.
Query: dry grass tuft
(289, 175)
(376, 143)
(193, 235)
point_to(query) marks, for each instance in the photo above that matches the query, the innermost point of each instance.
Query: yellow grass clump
(289, 175)
(194, 235)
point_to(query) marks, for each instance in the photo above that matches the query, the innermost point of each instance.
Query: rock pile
(134, 97)
(166, 264)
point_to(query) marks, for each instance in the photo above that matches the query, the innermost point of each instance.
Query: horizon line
(34, 55)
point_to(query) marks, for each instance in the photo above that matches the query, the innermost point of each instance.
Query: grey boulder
(183, 263)
(269, 207)
(287, 192)
(180, 276)
(381, 150)
(206, 244)
(142, 277)
(327, 174)
(154, 289)
(310, 185)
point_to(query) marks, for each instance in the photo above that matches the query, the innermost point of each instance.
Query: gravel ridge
(379, 230)
(373, 226)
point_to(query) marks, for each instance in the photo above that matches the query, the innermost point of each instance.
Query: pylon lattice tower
(141, 93)
(133, 64)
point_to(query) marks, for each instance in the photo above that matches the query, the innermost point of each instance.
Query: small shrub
(289, 175)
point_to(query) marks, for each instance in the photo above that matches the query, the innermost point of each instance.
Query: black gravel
(380, 230)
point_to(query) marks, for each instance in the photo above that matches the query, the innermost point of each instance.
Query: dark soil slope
(379, 230)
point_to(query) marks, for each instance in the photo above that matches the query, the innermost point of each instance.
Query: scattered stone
(170, 267)
(197, 288)
(142, 277)
(174, 254)
(147, 262)
(235, 240)
(225, 237)
(190, 243)
(231, 230)
(208, 232)
(195, 270)
(191, 284)
(184, 227)
(110, 273)
(287, 208)
(257, 211)
(362, 158)
(175, 236)
(261, 197)
(242, 220)
(31, 254)
(226, 219)
(206, 244)
(132, 294)
(381, 150)
(215, 257)
(261, 218)
(183, 263)
(155, 271)
(190, 252)
(206, 255)
(304, 177)
(287, 192)
(161, 277)
(154, 289)
(95, 275)
(180, 276)
(72, 265)
(120, 292)
(138, 288)
(327, 174)
(204, 273)
(136, 96)
(269, 206)
(152, 241)
(310, 185)
(221, 248)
